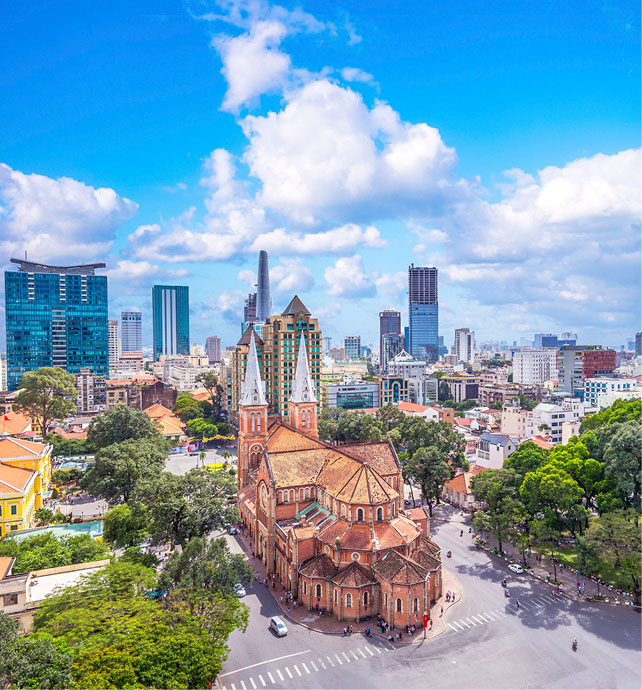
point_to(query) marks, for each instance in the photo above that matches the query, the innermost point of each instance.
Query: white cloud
(291, 276)
(61, 219)
(356, 74)
(248, 277)
(353, 37)
(348, 279)
(327, 155)
(252, 63)
(391, 285)
(335, 241)
(226, 306)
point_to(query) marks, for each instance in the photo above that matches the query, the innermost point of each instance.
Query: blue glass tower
(170, 305)
(423, 313)
(56, 316)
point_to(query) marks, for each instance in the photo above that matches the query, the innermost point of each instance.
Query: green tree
(529, 457)
(623, 459)
(65, 447)
(121, 465)
(498, 489)
(121, 638)
(414, 433)
(390, 416)
(188, 408)
(210, 381)
(121, 423)
(575, 459)
(428, 469)
(525, 403)
(201, 429)
(183, 507)
(208, 565)
(44, 516)
(35, 661)
(616, 537)
(46, 395)
(125, 525)
(620, 411)
(588, 559)
(344, 426)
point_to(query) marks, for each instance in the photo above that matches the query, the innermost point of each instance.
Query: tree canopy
(46, 395)
(344, 426)
(121, 465)
(125, 525)
(429, 470)
(528, 457)
(122, 423)
(619, 412)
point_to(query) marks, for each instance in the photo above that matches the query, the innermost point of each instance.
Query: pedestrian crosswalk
(302, 669)
(532, 604)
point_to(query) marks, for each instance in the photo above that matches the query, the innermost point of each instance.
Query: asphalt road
(181, 463)
(488, 643)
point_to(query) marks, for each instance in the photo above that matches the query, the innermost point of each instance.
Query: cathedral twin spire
(252, 391)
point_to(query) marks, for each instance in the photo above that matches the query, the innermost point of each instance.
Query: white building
(91, 393)
(423, 390)
(535, 366)
(516, 421)
(180, 371)
(352, 347)
(113, 342)
(597, 388)
(464, 345)
(493, 449)
(549, 418)
(405, 365)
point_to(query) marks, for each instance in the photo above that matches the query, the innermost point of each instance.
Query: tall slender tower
(263, 299)
(303, 402)
(423, 313)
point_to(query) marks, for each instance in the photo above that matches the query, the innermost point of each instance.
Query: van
(278, 627)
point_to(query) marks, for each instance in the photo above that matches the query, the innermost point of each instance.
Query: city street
(183, 462)
(488, 643)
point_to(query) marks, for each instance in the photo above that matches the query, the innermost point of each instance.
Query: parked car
(516, 568)
(240, 590)
(233, 530)
(278, 627)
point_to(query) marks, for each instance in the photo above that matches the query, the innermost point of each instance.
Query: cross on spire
(252, 389)
(302, 388)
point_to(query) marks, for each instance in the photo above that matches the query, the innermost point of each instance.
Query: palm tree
(201, 457)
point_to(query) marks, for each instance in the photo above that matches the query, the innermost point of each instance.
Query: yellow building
(18, 497)
(29, 455)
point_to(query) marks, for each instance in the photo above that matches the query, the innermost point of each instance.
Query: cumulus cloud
(356, 74)
(58, 219)
(226, 306)
(290, 276)
(348, 278)
(326, 154)
(391, 285)
(335, 241)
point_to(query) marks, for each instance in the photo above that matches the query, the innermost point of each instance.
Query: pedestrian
(281, 598)
(345, 631)
(431, 623)
(288, 610)
(442, 610)
(351, 630)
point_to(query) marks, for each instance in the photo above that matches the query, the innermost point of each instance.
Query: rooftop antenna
(25, 254)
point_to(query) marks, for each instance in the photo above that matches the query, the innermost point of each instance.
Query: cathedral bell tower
(302, 405)
(252, 418)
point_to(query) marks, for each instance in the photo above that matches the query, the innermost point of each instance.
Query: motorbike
(574, 645)
(448, 554)
(504, 583)
(507, 592)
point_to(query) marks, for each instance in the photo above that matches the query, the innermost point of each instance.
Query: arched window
(309, 419)
(379, 514)
(336, 596)
(303, 419)
(252, 422)
(415, 604)
(385, 600)
(343, 510)
(348, 601)
(305, 587)
(306, 493)
(286, 496)
(318, 591)
(398, 605)
(258, 422)
(360, 515)
(365, 599)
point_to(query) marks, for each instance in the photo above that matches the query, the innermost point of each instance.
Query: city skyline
(490, 176)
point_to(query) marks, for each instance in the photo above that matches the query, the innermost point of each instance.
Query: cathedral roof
(353, 575)
(245, 338)
(296, 306)
(252, 392)
(397, 569)
(352, 482)
(302, 388)
(319, 566)
(380, 455)
(283, 439)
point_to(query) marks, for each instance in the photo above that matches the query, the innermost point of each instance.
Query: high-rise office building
(326, 344)
(576, 363)
(56, 316)
(638, 343)
(277, 354)
(393, 344)
(389, 322)
(423, 313)
(464, 345)
(113, 342)
(213, 349)
(170, 312)
(131, 331)
(352, 346)
(263, 299)
(249, 308)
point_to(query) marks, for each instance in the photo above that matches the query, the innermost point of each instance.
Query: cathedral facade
(327, 520)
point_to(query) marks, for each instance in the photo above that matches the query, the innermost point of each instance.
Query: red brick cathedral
(329, 520)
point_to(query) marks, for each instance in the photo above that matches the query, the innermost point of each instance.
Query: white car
(240, 590)
(278, 626)
(516, 568)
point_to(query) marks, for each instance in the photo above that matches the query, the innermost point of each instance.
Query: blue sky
(176, 139)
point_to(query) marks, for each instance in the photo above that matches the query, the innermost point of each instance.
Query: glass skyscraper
(131, 331)
(56, 316)
(423, 313)
(170, 311)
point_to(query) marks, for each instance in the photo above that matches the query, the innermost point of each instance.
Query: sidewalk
(329, 625)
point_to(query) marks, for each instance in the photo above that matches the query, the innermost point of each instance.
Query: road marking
(348, 659)
(330, 660)
(271, 677)
(453, 627)
(296, 668)
(360, 652)
(369, 651)
(377, 650)
(233, 686)
(339, 660)
(500, 612)
(486, 613)
(322, 664)
(280, 675)
(468, 619)
(263, 683)
(314, 666)
(260, 663)
(243, 685)
(462, 621)
(356, 658)
(253, 683)
(305, 668)
(287, 670)
(477, 619)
